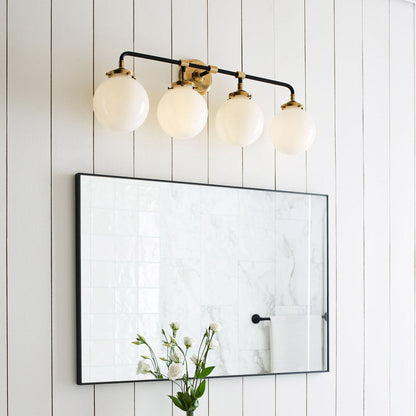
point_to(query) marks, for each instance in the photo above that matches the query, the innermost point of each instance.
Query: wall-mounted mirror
(152, 252)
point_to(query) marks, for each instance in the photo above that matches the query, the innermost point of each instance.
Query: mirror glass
(152, 252)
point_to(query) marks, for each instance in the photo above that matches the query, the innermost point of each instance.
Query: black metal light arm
(207, 68)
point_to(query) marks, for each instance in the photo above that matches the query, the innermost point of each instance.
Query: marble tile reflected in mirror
(151, 252)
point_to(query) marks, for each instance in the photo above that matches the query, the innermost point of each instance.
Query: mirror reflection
(152, 252)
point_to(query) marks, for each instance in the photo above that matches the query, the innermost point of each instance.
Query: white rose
(213, 344)
(188, 341)
(176, 356)
(143, 367)
(215, 327)
(176, 371)
(196, 360)
(175, 326)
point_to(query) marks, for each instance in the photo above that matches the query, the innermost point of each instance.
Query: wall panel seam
(414, 212)
(389, 196)
(363, 206)
(51, 197)
(7, 207)
(335, 208)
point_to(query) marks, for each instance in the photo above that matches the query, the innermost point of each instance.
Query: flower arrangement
(192, 387)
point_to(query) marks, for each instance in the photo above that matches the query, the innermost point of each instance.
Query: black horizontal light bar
(206, 68)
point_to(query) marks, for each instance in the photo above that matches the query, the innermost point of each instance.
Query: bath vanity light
(121, 103)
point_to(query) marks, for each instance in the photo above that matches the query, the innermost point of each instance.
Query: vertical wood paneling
(72, 152)
(290, 170)
(3, 173)
(113, 152)
(349, 175)
(402, 208)
(376, 205)
(114, 399)
(189, 29)
(113, 34)
(260, 61)
(151, 398)
(259, 396)
(290, 67)
(223, 51)
(152, 146)
(225, 397)
(29, 211)
(319, 103)
(290, 395)
(373, 170)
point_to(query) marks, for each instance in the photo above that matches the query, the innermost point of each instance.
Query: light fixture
(239, 121)
(121, 103)
(292, 130)
(182, 112)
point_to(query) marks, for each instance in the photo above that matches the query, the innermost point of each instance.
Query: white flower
(188, 341)
(215, 327)
(176, 371)
(196, 360)
(176, 356)
(143, 367)
(213, 344)
(175, 326)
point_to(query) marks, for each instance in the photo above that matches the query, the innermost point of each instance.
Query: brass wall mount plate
(201, 84)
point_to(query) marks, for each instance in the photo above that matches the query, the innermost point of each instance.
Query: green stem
(154, 359)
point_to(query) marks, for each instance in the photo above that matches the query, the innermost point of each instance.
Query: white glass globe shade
(121, 103)
(292, 131)
(182, 112)
(239, 121)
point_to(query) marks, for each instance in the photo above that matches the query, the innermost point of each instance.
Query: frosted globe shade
(120, 103)
(239, 121)
(182, 112)
(292, 131)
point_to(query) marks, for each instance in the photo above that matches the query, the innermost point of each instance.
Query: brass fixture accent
(119, 70)
(292, 103)
(201, 80)
(182, 83)
(240, 90)
(184, 63)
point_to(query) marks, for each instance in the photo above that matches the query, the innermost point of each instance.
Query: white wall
(352, 63)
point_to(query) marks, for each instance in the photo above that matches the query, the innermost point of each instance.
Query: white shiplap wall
(352, 63)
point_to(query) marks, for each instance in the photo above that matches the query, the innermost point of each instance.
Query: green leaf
(187, 399)
(200, 390)
(177, 403)
(206, 372)
(137, 342)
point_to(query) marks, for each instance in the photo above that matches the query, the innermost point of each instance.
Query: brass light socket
(182, 83)
(292, 103)
(239, 93)
(120, 70)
